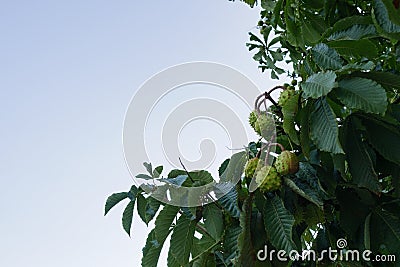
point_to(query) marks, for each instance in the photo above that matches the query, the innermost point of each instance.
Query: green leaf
(251, 3)
(382, 17)
(181, 242)
(326, 57)
(278, 224)
(384, 138)
(157, 171)
(324, 128)
(144, 176)
(310, 31)
(385, 230)
(360, 162)
(223, 167)
(213, 221)
(358, 49)
(289, 111)
(230, 203)
(127, 217)
(349, 22)
(230, 242)
(233, 172)
(307, 185)
(355, 32)
(364, 94)
(157, 237)
(246, 255)
(366, 66)
(386, 79)
(304, 117)
(113, 200)
(148, 167)
(319, 84)
(147, 208)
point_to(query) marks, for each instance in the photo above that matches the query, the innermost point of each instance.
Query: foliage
(342, 122)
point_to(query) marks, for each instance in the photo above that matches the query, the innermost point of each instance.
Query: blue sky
(68, 71)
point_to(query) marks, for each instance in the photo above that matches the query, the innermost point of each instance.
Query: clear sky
(68, 70)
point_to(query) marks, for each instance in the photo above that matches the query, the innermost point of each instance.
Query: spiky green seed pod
(284, 96)
(268, 179)
(250, 167)
(253, 119)
(287, 163)
(263, 124)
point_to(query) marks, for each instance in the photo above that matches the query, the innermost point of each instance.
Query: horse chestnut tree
(337, 171)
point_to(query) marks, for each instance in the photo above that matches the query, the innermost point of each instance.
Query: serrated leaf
(147, 208)
(230, 203)
(355, 32)
(382, 17)
(127, 217)
(366, 66)
(246, 256)
(230, 242)
(358, 49)
(213, 221)
(181, 242)
(324, 128)
(278, 224)
(360, 163)
(289, 111)
(319, 84)
(307, 185)
(363, 94)
(386, 79)
(113, 200)
(384, 138)
(157, 237)
(326, 57)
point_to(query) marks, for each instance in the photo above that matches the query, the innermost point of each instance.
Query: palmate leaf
(326, 57)
(157, 237)
(319, 84)
(181, 242)
(364, 94)
(289, 111)
(360, 162)
(278, 224)
(324, 128)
